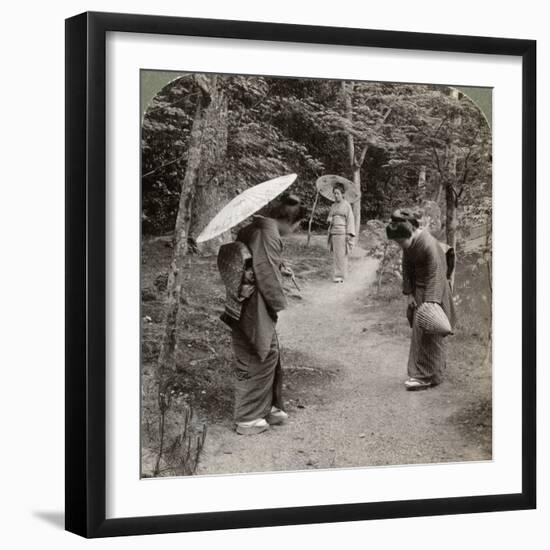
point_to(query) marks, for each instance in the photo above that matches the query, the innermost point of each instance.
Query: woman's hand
(411, 300)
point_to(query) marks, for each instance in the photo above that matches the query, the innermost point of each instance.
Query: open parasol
(244, 205)
(325, 186)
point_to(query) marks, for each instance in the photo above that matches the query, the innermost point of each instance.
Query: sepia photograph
(316, 274)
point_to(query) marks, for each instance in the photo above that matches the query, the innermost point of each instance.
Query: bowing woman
(258, 377)
(424, 280)
(340, 233)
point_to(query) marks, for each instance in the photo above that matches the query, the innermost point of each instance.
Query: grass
(203, 358)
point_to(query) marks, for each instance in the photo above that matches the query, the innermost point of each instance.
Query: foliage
(386, 251)
(283, 125)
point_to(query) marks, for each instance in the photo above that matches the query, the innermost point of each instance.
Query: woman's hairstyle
(288, 208)
(403, 224)
(400, 230)
(403, 215)
(340, 187)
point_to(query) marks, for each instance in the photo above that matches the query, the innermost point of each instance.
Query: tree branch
(384, 117)
(437, 160)
(453, 191)
(361, 159)
(161, 107)
(154, 170)
(256, 104)
(440, 126)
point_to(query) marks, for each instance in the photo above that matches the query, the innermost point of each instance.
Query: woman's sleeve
(408, 274)
(330, 213)
(435, 278)
(350, 229)
(267, 249)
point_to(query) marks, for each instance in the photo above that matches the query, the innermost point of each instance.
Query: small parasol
(244, 205)
(325, 186)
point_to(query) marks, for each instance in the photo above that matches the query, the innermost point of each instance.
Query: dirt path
(361, 415)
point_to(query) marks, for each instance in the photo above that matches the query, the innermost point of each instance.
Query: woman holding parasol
(258, 375)
(341, 231)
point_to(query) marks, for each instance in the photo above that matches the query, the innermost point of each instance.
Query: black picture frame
(86, 283)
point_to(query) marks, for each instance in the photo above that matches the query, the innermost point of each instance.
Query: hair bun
(405, 215)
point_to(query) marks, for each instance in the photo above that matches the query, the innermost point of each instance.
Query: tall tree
(366, 110)
(451, 194)
(452, 140)
(355, 160)
(176, 299)
(210, 190)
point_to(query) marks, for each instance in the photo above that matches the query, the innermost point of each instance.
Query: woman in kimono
(424, 280)
(258, 380)
(340, 233)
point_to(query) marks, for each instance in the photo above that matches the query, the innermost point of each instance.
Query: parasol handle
(296, 284)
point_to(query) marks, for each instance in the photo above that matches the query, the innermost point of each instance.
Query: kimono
(425, 277)
(342, 225)
(258, 375)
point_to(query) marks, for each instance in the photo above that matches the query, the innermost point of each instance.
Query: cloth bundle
(432, 319)
(235, 267)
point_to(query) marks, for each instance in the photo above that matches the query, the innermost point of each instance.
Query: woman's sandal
(276, 416)
(252, 427)
(414, 384)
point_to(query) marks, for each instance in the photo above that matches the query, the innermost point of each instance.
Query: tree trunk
(176, 299)
(451, 221)
(355, 166)
(451, 202)
(451, 197)
(356, 206)
(210, 194)
(422, 182)
(438, 187)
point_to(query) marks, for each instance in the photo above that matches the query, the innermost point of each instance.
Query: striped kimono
(425, 277)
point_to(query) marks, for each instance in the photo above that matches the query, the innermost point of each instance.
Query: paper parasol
(325, 186)
(244, 205)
